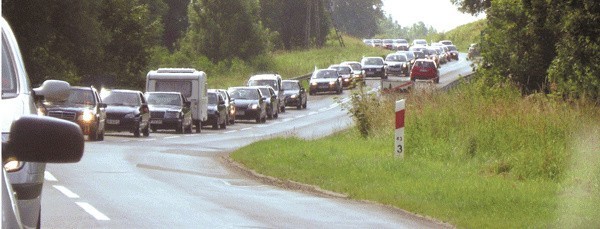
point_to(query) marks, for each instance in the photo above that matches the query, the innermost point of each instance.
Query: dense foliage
(542, 45)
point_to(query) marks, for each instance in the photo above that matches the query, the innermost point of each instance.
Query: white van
(189, 82)
(273, 80)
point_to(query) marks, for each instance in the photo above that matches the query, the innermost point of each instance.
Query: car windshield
(323, 74)
(342, 69)
(452, 48)
(419, 55)
(373, 61)
(272, 83)
(245, 94)
(401, 41)
(355, 66)
(398, 58)
(80, 97)
(164, 99)
(212, 98)
(264, 91)
(290, 86)
(118, 98)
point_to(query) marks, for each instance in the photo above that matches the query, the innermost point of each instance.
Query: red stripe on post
(400, 119)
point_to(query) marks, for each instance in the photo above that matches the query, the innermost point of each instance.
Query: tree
(59, 39)
(473, 7)
(575, 72)
(175, 22)
(223, 30)
(298, 23)
(359, 18)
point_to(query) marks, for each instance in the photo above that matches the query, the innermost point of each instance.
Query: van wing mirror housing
(44, 139)
(53, 90)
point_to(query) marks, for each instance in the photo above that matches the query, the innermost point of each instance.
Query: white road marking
(334, 105)
(313, 113)
(92, 211)
(287, 120)
(172, 137)
(323, 109)
(66, 191)
(189, 135)
(300, 116)
(229, 132)
(49, 177)
(247, 128)
(125, 140)
(147, 140)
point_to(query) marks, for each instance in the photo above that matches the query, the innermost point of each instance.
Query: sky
(442, 15)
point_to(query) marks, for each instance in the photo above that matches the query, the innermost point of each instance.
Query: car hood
(10, 110)
(164, 108)
(291, 92)
(244, 102)
(121, 109)
(73, 108)
(323, 80)
(372, 66)
(395, 63)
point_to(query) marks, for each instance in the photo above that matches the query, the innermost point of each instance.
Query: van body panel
(190, 83)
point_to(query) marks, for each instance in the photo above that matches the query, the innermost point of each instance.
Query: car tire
(224, 125)
(198, 126)
(299, 107)
(304, 105)
(146, 131)
(136, 132)
(153, 129)
(101, 136)
(264, 120)
(282, 109)
(258, 119)
(179, 128)
(276, 115)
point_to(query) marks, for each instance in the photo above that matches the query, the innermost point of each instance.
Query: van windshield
(183, 87)
(272, 83)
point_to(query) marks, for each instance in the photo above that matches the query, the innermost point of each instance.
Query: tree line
(115, 42)
(550, 46)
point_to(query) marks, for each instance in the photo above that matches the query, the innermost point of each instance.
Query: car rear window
(290, 86)
(122, 99)
(424, 64)
(164, 99)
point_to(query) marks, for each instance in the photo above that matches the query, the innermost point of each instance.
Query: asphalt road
(170, 180)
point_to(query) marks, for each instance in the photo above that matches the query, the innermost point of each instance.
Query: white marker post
(400, 128)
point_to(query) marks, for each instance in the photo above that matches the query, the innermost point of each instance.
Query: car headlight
(253, 106)
(41, 111)
(313, 83)
(13, 166)
(87, 116)
(332, 83)
(294, 96)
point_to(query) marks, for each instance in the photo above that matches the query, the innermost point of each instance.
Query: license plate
(240, 112)
(156, 121)
(113, 121)
(423, 70)
(323, 87)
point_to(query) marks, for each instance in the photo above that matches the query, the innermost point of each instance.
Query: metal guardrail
(302, 77)
(460, 80)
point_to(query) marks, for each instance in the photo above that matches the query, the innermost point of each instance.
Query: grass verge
(476, 157)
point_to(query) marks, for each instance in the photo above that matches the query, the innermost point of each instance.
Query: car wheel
(304, 105)
(282, 109)
(276, 115)
(179, 128)
(136, 132)
(224, 124)
(258, 119)
(264, 120)
(299, 107)
(146, 131)
(198, 126)
(437, 80)
(153, 129)
(101, 136)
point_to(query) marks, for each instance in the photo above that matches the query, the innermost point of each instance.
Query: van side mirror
(144, 108)
(44, 139)
(53, 90)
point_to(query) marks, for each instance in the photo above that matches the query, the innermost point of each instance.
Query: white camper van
(189, 82)
(273, 80)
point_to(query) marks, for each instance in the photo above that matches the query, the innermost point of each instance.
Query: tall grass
(288, 64)
(477, 156)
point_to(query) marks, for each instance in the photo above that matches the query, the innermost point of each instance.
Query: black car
(373, 67)
(217, 110)
(270, 97)
(295, 94)
(169, 110)
(84, 107)
(249, 103)
(127, 110)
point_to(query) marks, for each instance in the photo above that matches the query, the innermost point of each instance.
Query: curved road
(179, 181)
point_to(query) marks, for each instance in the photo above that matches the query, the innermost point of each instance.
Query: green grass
(477, 157)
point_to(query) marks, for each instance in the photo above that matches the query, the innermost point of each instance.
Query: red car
(425, 69)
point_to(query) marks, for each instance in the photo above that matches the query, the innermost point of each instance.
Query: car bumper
(323, 88)
(289, 101)
(247, 114)
(375, 73)
(122, 125)
(166, 123)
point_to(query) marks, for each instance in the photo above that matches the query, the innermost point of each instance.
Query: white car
(26, 176)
